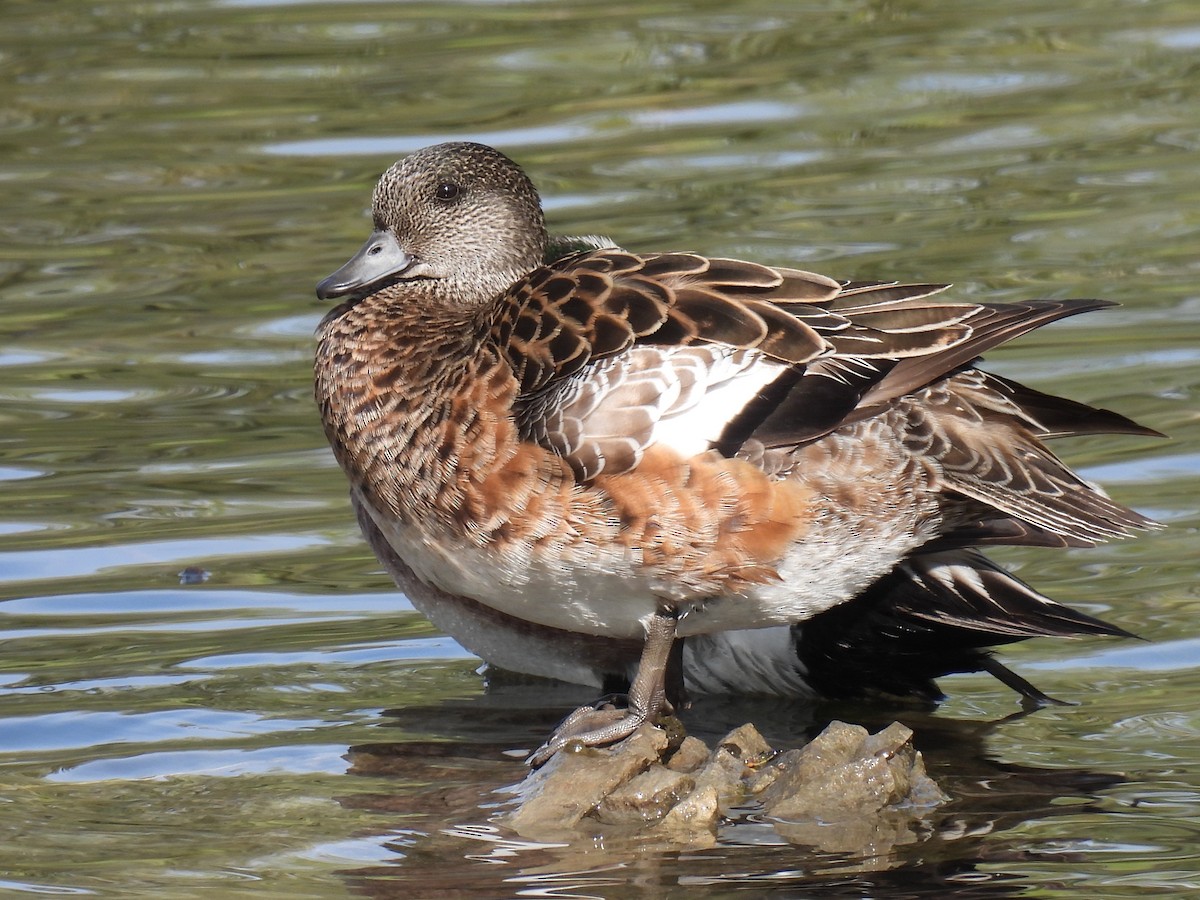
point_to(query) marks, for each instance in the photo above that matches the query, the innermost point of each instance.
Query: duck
(665, 473)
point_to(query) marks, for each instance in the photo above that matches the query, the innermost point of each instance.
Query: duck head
(460, 221)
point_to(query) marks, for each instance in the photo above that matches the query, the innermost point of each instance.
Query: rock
(691, 755)
(747, 745)
(808, 779)
(723, 772)
(557, 796)
(846, 791)
(645, 799)
(854, 787)
(692, 821)
(894, 738)
(793, 769)
(923, 791)
(727, 768)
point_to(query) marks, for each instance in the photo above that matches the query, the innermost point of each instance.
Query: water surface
(177, 177)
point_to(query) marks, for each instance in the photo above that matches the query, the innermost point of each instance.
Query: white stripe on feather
(733, 380)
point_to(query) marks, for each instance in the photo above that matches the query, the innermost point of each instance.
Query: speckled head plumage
(458, 222)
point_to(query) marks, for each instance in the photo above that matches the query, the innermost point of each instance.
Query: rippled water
(177, 176)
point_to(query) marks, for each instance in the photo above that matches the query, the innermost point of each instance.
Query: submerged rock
(847, 790)
(645, 799)
(556, 797)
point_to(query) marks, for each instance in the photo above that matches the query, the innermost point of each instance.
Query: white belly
(601, 590)
(601, 596)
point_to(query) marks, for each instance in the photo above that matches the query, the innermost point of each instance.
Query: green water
(176, 178)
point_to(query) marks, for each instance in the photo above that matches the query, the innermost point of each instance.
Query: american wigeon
(571, 455)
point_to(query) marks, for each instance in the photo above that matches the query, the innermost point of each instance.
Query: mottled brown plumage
(608, 445)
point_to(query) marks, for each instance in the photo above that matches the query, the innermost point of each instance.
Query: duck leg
(603, 723)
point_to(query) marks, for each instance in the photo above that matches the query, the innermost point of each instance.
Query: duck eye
(448, 190)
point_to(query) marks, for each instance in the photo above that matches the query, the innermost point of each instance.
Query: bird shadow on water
(451, 790)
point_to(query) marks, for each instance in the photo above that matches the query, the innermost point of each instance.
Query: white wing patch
(696, 423)
(604, 417)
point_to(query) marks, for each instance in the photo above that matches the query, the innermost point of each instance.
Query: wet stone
(725, 773)
(691, 755)
(747, 745)
(846, 791)
(572, 784)
(693, 820)
(647, 798)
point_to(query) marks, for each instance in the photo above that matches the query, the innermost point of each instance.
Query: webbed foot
(592, 726)
(604, 722)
